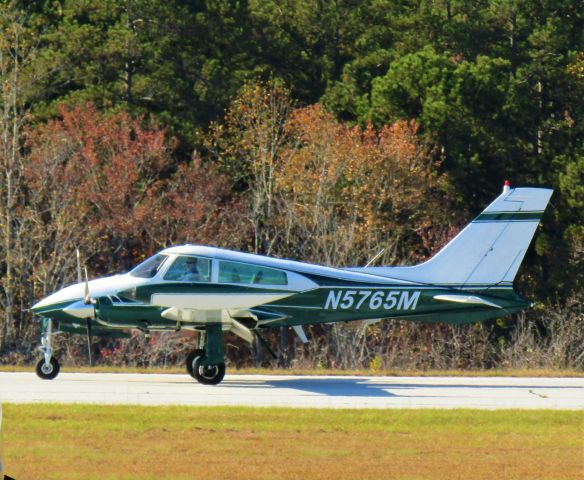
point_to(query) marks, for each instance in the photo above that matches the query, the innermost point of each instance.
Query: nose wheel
(48, 367)
(48, 371)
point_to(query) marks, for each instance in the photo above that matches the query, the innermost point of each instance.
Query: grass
(321, 371)
(124, 442)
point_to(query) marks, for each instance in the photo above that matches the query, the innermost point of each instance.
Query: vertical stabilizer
(489, 250)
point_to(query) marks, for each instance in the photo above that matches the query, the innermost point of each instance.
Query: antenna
(372, 261)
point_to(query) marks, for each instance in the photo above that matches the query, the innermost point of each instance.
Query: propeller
(87, 300)
(86, 297)
(78, 265)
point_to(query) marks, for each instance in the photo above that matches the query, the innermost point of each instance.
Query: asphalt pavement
(297, 391)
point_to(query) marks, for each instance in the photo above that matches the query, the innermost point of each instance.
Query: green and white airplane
(212, 291)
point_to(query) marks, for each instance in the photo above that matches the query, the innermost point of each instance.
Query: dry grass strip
(123, 442)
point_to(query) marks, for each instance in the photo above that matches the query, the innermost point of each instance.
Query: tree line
(317, 130)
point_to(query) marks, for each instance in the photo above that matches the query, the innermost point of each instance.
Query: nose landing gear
(48, 371)
(48, 367)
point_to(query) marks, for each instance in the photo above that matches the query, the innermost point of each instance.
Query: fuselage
(161, 293)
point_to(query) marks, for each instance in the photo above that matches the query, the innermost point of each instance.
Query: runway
(295, 391)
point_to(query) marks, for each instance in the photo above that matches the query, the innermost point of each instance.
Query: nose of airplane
(65, 295)
(97, 288)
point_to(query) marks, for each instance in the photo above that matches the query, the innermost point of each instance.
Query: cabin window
(189, 269)
(149, 268)
(234, 272)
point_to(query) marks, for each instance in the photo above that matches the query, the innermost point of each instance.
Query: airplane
(212, 290)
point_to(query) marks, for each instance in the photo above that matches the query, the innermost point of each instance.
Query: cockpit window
(150, 267)
(189, 269)
(234, 272)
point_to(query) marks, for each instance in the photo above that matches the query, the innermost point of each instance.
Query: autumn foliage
(274, 179)
(104, 183)
(90, 179)
(350, 191)
(323, 191)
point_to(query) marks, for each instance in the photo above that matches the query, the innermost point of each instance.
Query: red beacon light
(506, 187)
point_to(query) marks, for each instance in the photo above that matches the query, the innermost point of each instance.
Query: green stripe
(509, 216)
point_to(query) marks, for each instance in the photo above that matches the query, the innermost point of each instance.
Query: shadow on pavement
(356, 387)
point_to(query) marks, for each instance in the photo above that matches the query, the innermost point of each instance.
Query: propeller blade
(87, 296)
(88, 327)
(79, 279)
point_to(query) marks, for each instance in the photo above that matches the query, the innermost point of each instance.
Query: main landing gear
(206, 364)
(48, 367)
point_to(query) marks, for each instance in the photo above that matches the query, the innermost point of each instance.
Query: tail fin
(489, 250)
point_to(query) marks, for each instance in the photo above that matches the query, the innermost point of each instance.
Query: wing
(237, 311)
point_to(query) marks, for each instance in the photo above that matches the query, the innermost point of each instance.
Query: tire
(191, 360)
(208, 374)
(50, 371)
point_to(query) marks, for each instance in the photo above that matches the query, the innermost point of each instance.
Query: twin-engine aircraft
(212, 291)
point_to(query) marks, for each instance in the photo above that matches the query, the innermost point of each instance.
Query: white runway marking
(294, 391)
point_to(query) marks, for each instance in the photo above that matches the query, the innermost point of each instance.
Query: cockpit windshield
(150, 267)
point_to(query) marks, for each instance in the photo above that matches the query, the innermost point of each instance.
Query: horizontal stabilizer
(470, 299)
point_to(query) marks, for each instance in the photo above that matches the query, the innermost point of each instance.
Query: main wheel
(190, 361)
(48, 371)
(208, 374)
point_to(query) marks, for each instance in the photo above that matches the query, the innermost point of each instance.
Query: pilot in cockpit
(191, 273)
